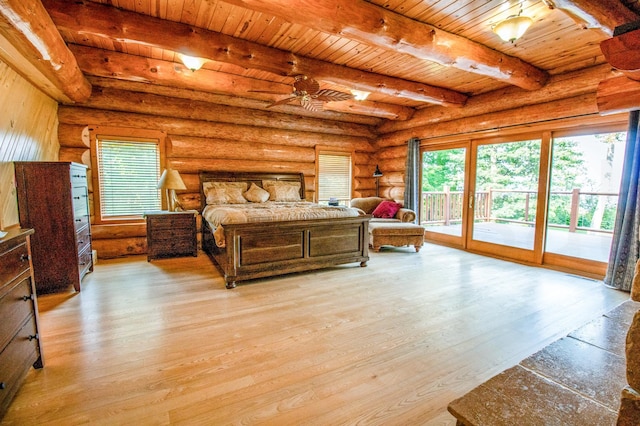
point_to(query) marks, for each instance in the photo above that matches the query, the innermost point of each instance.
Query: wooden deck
(592, 246)
(390, 344)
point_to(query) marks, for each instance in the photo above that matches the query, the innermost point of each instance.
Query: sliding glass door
(542, 198)
(443, 196)
(505, 186)
(583, 198)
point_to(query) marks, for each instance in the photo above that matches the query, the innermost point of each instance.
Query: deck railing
(445, 208)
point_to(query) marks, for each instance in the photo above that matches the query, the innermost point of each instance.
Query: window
(126, 177)
(334, 177)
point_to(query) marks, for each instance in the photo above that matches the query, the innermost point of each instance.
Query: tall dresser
(19, 332)
(53, 200)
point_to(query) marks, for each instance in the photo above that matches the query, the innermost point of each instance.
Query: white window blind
(334, 177)
(128, 177)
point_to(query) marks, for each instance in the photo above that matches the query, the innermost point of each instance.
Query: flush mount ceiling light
(513, 27)
(194, 64)
(359, 95)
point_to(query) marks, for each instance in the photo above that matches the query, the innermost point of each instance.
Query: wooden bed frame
(257, 250)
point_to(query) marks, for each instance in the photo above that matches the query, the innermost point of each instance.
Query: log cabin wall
(28, 132)
(202, 135)
(567, 101)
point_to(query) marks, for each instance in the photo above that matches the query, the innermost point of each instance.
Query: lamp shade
(513, 27)
(171, 179)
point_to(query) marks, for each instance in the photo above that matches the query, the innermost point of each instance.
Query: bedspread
(217, 215)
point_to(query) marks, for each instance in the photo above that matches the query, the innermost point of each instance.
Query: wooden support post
(575, 209)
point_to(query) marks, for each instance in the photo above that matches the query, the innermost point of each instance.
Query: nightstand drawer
(171, 222)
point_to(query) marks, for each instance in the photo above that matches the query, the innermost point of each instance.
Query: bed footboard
(257, 250)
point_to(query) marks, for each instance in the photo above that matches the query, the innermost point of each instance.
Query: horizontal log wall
(202, 136)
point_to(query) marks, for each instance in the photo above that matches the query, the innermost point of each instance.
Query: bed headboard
(249, 177)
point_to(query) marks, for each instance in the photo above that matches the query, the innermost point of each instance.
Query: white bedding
(218, 215)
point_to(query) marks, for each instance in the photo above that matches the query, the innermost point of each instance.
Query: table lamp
(170, 181)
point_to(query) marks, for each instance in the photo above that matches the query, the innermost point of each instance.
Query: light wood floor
(392, 343)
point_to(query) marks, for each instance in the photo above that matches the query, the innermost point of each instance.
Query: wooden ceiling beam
(604, 15)
(619, 94)
(106, 63)
(30, 30)
(88, 17)
(376, 26)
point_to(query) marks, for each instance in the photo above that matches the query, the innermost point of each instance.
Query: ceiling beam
(623, 53)
(110, 64)
(92, 18)
(29, 29)
(604, 15)
(376, 26)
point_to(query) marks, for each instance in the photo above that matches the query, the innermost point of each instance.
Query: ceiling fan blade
(306, 84)
(283, 101)
(311, 104)
(326, 95)
(270, 92)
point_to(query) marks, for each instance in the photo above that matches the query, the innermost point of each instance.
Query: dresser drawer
(15, 307)
(171, 247)
(78, 176)
(80, 201)
(83, 238)
(171, 222)
(80, 222)
(85, 261)
(16, 360)
(14, 262)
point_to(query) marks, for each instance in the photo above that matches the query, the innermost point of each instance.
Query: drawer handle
(32, 337)
(27, 298)
(80, 242)
(3, 385)
(78, 220)
(24, 257)
(76, 198)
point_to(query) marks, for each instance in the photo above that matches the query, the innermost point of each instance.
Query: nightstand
(171, 234)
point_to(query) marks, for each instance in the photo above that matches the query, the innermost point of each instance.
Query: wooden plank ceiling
(381, 46)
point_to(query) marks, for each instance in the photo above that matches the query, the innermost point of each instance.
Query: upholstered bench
(395, 234)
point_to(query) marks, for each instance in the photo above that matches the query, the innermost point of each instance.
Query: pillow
(282, 191)
(255, 194)
(386, 209)
(224, 192)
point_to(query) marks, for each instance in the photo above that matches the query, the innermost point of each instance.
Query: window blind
(128, 177)
(334, 177)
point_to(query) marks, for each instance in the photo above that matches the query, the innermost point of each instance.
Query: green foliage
(515, 166)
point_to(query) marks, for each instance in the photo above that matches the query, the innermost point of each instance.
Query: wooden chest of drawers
(53, 199)
(19, 334)
(171, 234)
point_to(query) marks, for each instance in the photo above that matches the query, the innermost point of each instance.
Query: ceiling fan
(307, 93)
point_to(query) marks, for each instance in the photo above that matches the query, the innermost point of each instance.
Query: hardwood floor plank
(393, 343)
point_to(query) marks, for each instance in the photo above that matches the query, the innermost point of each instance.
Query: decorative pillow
(224, 192)
(255, 194)
(386, 209)
(282, 191)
